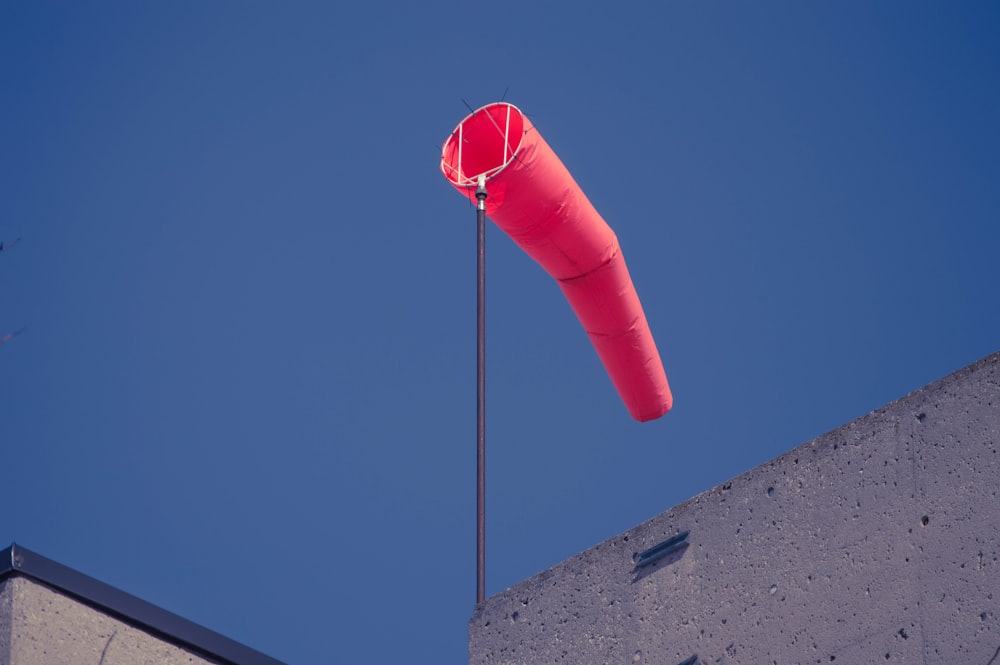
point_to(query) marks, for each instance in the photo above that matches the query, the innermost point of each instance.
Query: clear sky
(246, 387)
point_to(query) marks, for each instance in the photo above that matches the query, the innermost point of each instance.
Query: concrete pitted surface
(41, 626)
(876, 543)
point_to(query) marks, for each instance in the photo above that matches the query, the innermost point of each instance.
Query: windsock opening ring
(483, 144)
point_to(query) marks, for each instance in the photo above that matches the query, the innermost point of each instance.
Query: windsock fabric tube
(534, 199)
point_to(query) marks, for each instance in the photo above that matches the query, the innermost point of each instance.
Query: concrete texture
(5, 622)
(876, 543)
(40, 626)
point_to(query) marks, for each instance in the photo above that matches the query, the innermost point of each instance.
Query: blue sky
(246, 388)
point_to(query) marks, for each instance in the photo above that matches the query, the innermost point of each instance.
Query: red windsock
(535, 200)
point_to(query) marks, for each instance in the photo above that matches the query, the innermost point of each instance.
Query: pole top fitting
(481, 193)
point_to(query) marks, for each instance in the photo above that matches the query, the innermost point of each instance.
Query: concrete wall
(40, 626)
(876, 543)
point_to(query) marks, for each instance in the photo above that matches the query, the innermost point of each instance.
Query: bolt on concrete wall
(876, 543)
(40, 626)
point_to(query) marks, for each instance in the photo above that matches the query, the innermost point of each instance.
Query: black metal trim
(6, 561)
(18, 561)
(657, 552)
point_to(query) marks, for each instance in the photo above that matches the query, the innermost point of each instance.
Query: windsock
(533, 198)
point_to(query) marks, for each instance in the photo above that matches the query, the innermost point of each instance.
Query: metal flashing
(657, 552)
(19, 561)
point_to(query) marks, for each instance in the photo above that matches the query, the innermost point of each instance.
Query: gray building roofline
(19, 561)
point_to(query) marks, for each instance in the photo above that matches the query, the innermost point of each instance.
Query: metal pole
(481, 394)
